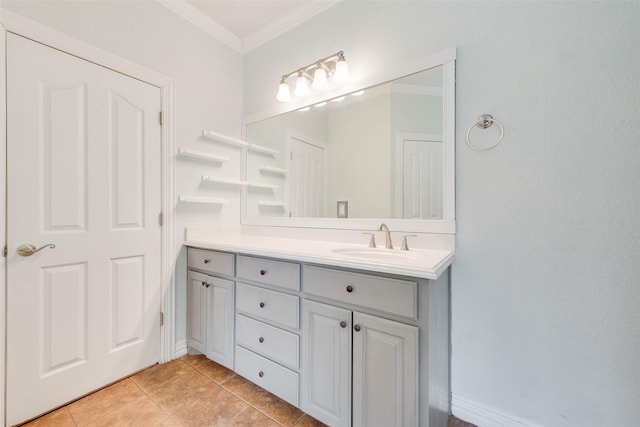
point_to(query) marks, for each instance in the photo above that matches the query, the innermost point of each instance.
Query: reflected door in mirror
(306, 183)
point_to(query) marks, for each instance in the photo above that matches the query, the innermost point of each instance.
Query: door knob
(27, 249)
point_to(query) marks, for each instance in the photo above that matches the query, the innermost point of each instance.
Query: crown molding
(200, 20)
(262, 35)
(285, 23)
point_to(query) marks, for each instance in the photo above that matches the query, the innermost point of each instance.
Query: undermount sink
(375, 253)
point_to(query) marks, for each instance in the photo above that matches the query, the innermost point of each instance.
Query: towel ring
(483, 122)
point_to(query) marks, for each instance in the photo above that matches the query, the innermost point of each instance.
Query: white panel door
(385, 373)
(306, 183)
(422, 179)
(84, 175)
(325, 377)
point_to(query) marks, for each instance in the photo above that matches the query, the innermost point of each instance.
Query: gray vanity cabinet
(351, 348)
(358, 369)
(210, 305)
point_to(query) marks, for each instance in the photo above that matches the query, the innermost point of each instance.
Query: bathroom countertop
(420, 263)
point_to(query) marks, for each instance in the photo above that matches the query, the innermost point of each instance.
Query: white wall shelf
(269, 203)
(204, 200)
(261, 149)
(273, 170)
(239, 142)
(224, 138)
(187, 152)
(221, 180)
(263, 185)
(233, 181)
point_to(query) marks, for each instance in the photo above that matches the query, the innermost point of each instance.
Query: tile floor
(189, 391)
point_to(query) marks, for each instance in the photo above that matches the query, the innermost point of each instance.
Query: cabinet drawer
(275, 343)
(267, 304)
(210, 261)
(275, 378)
(276, 273)
(378, 293)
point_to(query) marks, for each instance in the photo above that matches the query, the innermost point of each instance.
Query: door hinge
(4, 251)
(161, 219)
(161, 318)
(161, 118)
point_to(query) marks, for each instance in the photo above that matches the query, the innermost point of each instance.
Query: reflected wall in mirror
(385, 152)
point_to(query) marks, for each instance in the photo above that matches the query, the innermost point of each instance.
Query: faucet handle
(372, 240)
(405, 247)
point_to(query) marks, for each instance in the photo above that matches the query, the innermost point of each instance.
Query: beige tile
(190, 359)
(141, 412)
(251, 417)
(181, 391)
(278, 409)
(111, 398)
(59, 418)
(157, 375)
(213, 370)
(213, 411)
(244, 388)
(307, 421)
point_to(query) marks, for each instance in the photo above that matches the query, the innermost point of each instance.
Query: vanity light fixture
(317, 73)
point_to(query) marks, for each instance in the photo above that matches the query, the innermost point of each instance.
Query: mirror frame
(446, 225)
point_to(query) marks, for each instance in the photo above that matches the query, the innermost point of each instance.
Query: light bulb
(302, 86)
(320, 78)
(341, 74)
(284, 93)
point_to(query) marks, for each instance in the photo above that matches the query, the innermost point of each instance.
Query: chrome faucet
(387, 235)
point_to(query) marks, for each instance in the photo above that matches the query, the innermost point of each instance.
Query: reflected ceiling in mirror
(385, 152)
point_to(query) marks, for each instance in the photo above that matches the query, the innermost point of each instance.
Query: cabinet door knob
(343, 324)
(349, 288)
(204, 283)
(357, 328)
(263, 272)
(207, 261)
(261, 339)
(261, 305)
(261, 374)
(207, 285)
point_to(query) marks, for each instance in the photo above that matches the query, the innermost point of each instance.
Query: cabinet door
(326, 363)
(197, 311)
(385, 373)
(220, 321)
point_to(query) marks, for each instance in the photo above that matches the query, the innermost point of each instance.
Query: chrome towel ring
(485, 121)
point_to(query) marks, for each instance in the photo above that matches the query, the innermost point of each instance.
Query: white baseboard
(181, 349)
(485, 416)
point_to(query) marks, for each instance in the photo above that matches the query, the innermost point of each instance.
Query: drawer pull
(261, 339)
(343, 324)
(357, 328)
(349, 288)
(263, 272)
(261, 305)
(207, 260)
(261, 374)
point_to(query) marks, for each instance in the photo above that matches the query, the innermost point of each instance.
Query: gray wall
(546, 280)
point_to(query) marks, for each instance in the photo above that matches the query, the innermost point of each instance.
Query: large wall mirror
(380, 152)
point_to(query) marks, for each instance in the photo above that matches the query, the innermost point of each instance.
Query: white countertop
(421, 263)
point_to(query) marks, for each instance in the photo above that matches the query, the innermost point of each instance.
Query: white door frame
(14, 23)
